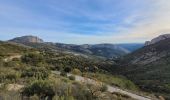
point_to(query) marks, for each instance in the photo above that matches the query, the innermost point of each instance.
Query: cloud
(86, 21)
(157, 21)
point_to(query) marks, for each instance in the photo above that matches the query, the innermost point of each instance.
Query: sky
(85, 21)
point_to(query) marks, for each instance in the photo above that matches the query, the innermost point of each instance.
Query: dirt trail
(11, 57)
(110, 88)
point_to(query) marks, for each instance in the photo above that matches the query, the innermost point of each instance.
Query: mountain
(131, 46)
(157, 39)
(98, 50)
(108, 50)
(27, 39)
(150, 53)
(102, 50)
(149, 67)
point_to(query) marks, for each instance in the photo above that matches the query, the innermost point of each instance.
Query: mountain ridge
(157, 39)
(105, 50)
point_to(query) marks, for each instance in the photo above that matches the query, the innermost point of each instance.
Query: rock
(27, 39)
(157, 39)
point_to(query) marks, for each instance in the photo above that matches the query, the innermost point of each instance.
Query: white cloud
(135, 24)
(157, 21)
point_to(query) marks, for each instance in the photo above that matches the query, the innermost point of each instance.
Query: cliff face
(27, 39)
(157, 39)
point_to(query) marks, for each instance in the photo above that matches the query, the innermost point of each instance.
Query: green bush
(71, 77)
(76, 71)
(33, 59)
(41, 88)
(103, 88)
(9, 75)
(37, 72)
(114, 80)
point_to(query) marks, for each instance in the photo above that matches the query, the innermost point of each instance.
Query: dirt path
(110, 88)
(12, 57)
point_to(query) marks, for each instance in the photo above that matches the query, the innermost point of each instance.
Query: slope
(149, 67)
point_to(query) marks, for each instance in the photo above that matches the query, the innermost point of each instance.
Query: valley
(25, 67)
(84, 49)
(96, 72)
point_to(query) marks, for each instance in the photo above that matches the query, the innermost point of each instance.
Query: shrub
(67, 69)
(7, 74)
(71, 77)
(121, 95)
(33, 58)
(76, 72)
(118, 81)
(37, 72)
(94, 91)
(41, 88)
(34, 97)
(103, 88)
(63, 73)
(9, 95)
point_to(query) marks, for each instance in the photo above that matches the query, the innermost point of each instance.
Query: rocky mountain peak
(157, 39)
(27, 39)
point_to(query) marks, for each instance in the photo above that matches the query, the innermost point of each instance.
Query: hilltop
(27, 39)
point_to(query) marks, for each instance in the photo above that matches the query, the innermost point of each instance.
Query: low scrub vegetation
(33, 72)
(71, 77)
(118, 81)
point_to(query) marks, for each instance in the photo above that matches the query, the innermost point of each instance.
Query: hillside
(151, 67)
(8, 49)
(31, 75)
(150, 53)
(131, 46)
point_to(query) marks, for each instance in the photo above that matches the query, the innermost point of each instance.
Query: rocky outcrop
(157, 48)
(157, 39)
(27, 39)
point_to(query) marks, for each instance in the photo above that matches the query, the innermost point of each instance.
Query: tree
(67, 69)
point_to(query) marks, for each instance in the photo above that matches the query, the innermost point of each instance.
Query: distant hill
(98, 50)
(131, 46)
(27, 39)
(103, 50)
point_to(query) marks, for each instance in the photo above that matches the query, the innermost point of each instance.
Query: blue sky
(85, 21)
